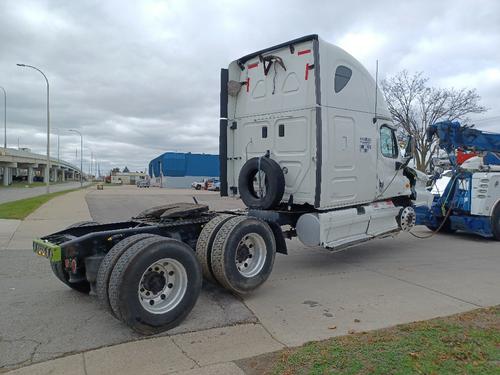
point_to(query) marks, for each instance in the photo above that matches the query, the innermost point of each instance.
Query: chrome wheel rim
(250, 255)
(407, 219)
(162, 286)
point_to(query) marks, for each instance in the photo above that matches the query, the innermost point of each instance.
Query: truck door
(389, 182)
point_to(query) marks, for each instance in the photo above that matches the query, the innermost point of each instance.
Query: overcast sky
(138, 78)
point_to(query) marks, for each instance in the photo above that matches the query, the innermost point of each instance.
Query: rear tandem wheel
(107, 265)
(155, 284)
(243, 254)
(205, 242)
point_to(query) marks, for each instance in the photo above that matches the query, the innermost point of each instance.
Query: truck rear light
(66, 263)
(73, 266)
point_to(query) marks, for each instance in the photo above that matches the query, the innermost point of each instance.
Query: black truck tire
(243, 254)
(107, 265)
(205, 243)
(274, 183)
(85, 223)
(495, 222)
(62, 275)
(155, 284)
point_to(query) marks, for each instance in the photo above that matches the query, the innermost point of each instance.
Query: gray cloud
(140, 78)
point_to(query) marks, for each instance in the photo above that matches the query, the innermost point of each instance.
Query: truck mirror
(409, 147)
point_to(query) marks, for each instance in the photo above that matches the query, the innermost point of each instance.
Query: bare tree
(414, 106)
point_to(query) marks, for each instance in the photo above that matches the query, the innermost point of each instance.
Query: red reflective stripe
(303, 52)
(248, 84)
(254, 65)
(307, 71)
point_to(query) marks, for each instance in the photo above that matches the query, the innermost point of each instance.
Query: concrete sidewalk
(203, 352)
(52, 216)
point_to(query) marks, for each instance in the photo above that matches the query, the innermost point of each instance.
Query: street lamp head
(21, 64)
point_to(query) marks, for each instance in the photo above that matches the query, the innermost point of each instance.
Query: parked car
(214, 185)
(207, 184)
(198, 185)
(145, 183)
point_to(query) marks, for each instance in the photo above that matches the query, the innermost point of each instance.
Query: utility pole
(81, 155)
(58, 160)
(4, 118)
(47, 173)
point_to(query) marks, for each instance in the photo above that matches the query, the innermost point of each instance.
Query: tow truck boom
(471, 200)
(453, 136)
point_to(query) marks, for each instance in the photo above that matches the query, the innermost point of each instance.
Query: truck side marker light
(303, 52)
(254, 65)
(248, 84)
(307, 71)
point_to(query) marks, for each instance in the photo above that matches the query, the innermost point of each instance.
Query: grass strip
(467, 343)
(21, 208)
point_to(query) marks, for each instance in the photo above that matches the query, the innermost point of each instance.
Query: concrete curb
(204, 352)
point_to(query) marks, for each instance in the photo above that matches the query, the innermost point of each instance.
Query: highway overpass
(15, 162)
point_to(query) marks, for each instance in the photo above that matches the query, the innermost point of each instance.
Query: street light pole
(4, 118)
(58, 160)
(47, 174)
(81, 155)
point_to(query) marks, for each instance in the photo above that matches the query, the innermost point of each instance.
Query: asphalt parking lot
(311, 294)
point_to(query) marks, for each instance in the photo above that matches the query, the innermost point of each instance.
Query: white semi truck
(306, 141)
(306, 121)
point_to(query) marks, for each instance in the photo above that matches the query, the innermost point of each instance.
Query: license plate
(47, 250)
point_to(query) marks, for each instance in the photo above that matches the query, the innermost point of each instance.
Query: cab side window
(342, 76)
(388, 142)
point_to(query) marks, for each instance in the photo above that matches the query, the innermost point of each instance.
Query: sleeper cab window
(388, 142)
(342, 76)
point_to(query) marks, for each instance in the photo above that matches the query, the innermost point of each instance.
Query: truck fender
(92, 264)
(279, 238)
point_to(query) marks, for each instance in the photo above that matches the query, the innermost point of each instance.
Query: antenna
(376, 91)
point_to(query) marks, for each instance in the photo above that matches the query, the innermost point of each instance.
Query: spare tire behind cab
(273, 183)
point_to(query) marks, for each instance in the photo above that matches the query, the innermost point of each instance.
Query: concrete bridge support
(7, 172)
(7, 178)
(30, 175)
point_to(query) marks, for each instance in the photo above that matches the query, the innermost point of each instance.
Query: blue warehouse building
(179, 170)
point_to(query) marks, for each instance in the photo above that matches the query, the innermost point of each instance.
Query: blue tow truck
(471, 200)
